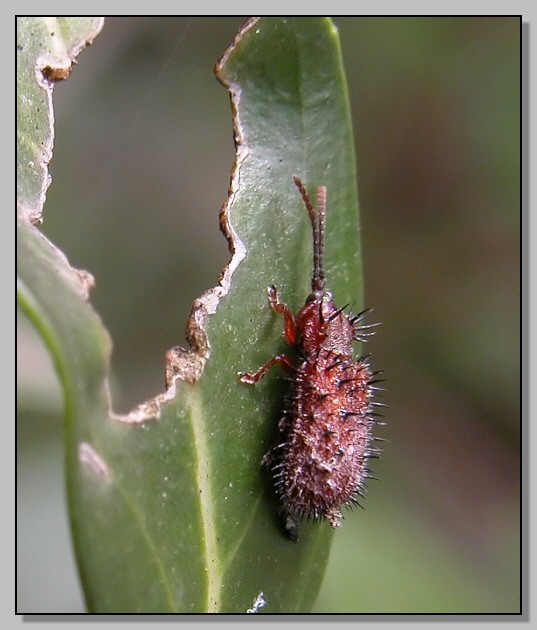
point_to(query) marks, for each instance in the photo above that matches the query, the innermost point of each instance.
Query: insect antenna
(318, 219)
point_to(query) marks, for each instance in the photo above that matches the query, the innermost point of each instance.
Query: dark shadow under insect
(321, 462)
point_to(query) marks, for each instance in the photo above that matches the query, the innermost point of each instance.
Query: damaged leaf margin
(184, 364)
(188, 364)
(53, 62)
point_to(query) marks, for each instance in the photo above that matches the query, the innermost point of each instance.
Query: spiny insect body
(321, 463)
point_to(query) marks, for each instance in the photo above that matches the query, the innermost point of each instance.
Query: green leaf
(170, 510)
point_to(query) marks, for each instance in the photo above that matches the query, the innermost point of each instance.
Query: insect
(321, 462)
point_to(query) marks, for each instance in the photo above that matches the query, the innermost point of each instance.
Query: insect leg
(291, 332)
(282, 359)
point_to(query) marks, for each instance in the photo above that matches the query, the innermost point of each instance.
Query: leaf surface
(170, 510)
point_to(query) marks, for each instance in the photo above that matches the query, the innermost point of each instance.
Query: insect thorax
(324, 326)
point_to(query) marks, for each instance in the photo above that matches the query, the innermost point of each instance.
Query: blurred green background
(142, 160)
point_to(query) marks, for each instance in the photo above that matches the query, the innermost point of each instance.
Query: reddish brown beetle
(321, 463)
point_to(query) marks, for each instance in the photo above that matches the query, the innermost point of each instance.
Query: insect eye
(317, 296)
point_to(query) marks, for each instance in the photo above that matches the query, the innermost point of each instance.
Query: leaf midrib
(203, 474)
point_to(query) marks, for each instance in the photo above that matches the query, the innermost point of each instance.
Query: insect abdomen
(322, 463)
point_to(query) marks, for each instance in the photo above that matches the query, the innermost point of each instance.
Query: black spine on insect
(320, 463)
